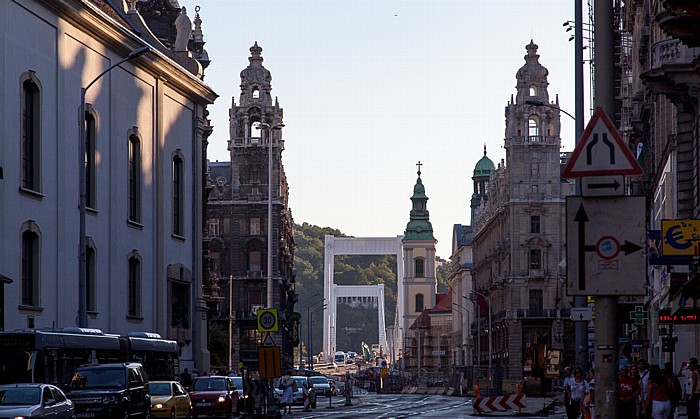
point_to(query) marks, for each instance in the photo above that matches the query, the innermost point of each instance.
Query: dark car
(213, 396)
(110, 391)
(34, 401)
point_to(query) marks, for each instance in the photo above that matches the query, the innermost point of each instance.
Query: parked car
(34, 401)
(110, 391)
(169, 399)
(321, 385)
(298, 398)
(213, 395)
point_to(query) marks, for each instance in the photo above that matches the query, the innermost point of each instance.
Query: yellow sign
(680, 237)
(270, 361)
(267, 320)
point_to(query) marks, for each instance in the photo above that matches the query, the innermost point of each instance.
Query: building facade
(238, 220)
(519, 237)
(146, 140)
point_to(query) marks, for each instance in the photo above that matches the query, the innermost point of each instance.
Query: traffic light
(668, 344)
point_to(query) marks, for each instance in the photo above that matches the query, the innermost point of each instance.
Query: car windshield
(206, 384)
(19, 396)
(98, 378)
(300, 381)
(237, 382)
(160, 389)
(319, 380)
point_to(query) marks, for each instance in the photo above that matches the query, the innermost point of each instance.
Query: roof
(463, 234)
(443, 305)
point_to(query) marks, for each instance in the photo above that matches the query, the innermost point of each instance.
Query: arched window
(419, 267)
(256, 93)
(420, 306)
(31, 252)
(533, 126)
(134, 199)
(134, 285)
(533, 91)
(178, 195)
(90, 277)
(255, 132)
(31, 132)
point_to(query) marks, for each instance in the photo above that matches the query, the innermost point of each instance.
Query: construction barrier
(499, 403)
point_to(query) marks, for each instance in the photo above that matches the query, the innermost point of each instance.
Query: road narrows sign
(600, 151)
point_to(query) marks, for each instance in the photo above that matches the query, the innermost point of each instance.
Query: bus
(52, 355)
(340, 357)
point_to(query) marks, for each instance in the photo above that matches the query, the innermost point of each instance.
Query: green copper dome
(484, 167)
(419, 227)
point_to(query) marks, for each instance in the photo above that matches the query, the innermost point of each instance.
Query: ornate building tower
(238, 214)
(482, 172)
(519, 235)
(420, 284)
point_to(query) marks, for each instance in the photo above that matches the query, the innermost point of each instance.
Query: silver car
(34, 401)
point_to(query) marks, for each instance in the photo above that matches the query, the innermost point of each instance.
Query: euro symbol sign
(676, 239)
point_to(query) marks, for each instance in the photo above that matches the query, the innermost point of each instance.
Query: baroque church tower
(238, 217)
(420, 283)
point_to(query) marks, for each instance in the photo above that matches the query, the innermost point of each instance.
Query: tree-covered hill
(356, 322)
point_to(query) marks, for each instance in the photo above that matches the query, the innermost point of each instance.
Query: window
(420, 268)
(533, 91)
(535, 259)
(255, 132)
(533, 127)
(419, 303)
(255, 226)
(31, 133)
(90, 278)
(214, 227)
(178, 196)
(134, 286)
(90, 159)
(255, 261)
(256, 93)
(30, 267)
(534, 224)
(134, 179)
(536, 301)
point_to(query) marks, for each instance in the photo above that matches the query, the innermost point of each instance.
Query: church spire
(419, 227)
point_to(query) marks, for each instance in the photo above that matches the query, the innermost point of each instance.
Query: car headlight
(222, 398)
(158, 406)
(109, 399)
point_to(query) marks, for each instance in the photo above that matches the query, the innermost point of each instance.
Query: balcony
(681, 19)
(540, 313)
(674, 70)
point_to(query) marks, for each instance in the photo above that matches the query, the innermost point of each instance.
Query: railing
(541, 313)
(671, 51)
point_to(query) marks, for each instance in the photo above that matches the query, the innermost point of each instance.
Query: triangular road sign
(268, 340)
(600, 151)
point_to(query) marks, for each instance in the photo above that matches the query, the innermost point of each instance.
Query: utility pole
(606, 355)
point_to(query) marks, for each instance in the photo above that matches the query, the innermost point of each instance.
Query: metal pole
(230, 323)
(490, 347)
(82, 205)
(606, 354)
(269, 218)
(580, 328)
(311, 336)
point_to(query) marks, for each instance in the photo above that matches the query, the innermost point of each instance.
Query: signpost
(581, 314)
(267, 320)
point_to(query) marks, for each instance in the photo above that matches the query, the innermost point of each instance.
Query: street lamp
(263, 125)
(309, 315)
(300, 339)
(540, 102)
(82, 269)
(488, 300)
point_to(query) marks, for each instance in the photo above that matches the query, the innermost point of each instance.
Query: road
(373, 405)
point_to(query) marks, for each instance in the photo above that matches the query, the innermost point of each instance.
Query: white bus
(340, 357)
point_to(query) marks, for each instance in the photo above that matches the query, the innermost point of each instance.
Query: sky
(371, 87)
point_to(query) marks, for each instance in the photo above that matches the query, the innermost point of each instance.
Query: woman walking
(629, 390)
(575, 389)
(659, 393)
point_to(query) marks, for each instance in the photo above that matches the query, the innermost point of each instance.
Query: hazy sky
(371, 87)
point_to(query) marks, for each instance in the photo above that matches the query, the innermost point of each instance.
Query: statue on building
(183, 25)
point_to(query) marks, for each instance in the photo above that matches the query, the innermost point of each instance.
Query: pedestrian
(589, 401)
(287, 393)
(658, 397)
(643, 369)
(629, 390)
(677, 394)
(575, 390)
(692, 404)
(685, 376)
(186, 378)
(568, 375)
(305, 396)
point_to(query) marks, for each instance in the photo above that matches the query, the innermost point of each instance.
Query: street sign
(600, 151)
(604, 239)
(270, 361)
(603, 185)
(639, 315)
(268, 340)
(579, 314)
(267, 320)
(680, 237)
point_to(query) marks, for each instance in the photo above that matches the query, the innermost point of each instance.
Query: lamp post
(540, 102)
(270, 128)
(300, 339)
(82, 174)
(309, 315)
(230, 322)
(488, 300)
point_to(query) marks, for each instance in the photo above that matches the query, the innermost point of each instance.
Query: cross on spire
(419, 165)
